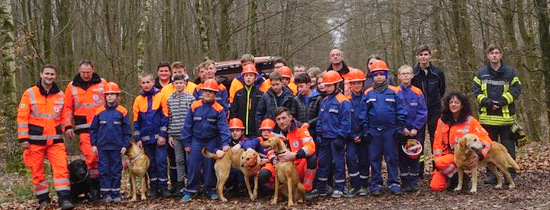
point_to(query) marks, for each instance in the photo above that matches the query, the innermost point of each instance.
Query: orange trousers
(91, 158)
(301, 167)
(34, 156)
(445, 168)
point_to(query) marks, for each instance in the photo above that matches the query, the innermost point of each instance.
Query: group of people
(342, 118)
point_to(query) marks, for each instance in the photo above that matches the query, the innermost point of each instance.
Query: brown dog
(286, 174)
(139, 163)
(497, 156)
(248, 162)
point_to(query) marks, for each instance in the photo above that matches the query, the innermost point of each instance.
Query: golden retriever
(497, 156)
(139, 163)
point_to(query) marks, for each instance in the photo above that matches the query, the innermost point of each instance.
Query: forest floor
(532, 192)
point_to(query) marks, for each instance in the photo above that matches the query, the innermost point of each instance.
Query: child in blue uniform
(205, 127)
(110, 135)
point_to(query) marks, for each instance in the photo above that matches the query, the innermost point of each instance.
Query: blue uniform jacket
(206, 121)
(221, 97)
(110, 129)
(356, 106)
(334, 121)
(150, 116)
(417, 112)
(384, 110)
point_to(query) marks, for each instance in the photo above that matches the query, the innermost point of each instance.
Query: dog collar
(85, 177)
(136, 156)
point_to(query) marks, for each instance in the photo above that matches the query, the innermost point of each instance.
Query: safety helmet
(356, 75)
(267, 124)
(250, 68)
(236, 123)
(210, 84)
(111, 87)
(379, 65)
(285, 72)
(412, 149)
(331, 77)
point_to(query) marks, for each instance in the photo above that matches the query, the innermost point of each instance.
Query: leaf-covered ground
(532, 192)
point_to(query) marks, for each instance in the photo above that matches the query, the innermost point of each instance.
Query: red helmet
(285, 71)
(331, 77)
(356, 75)
(379, 65)
(210, 84)
(111, 87)
(236, 123)
(413, 148)
(267, 124)
(249, 68)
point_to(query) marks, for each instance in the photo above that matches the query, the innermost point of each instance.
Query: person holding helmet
(333, 129)
(40, 133)
(150, 117)
(247, 99)
(205, 127)
(417, 114)
(356, 150)
(383, 122)
(110, 134)
(287, 79)
(456, 121)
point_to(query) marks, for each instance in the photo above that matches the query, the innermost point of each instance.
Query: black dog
(81, 183)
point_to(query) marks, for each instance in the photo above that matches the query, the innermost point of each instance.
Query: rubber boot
(178, 189)
(44, 201)
(64, 199)
(153, 192)
(94, 191)
(490, 178)
(453, 182)
(165, 192)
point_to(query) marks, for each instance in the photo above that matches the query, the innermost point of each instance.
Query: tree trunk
(544, 36)
(47, 30)
(141, 36)
(111, 18)
(397, 44)
(461, 26)
(225, 30)
(7, 80)
(65, 44)
(202, 18)
(253, 19)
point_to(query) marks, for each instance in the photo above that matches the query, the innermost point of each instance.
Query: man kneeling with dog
(302, 148)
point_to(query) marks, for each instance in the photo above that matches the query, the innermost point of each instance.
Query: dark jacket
(269, 102)
(244, 107)
(501, 85)
(110, 129)
(432, 85)
(307, 113)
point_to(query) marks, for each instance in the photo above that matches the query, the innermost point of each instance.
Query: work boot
(153, 192)
(453, 182)
(44, 201)
(64, 199)
(165, 192)
(65, 204)
(94, 191)
(178, 189)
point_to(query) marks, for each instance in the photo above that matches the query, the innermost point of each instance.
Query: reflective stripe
(94, 172)
(82, 126)
(162, 180)
(404, 174)
(390, 99)
(494, 82)
(163, 129)
(99, 102)
(22, 132)
(105, 189)
(322, 179)
(153, 179)
(147, 138)
(354, 175)
(63, 187)
(35, 112)
(449, 171)
(363, 177)
(305, 150)
(508, 96)
(61, 181)
(191, 191)
(333, 111)
(22, 125)
(44, 191)
(413, 174)
(436, 152)
(414, 104)
(102, 122)
(117, 123)
(44, 137)
(477, 81)
(339, 180)
(137, 133)
(421, 159)
(42, 184)
(394, 185)
(307, 139)
(197, 118)
(371, 99)
(173, 167)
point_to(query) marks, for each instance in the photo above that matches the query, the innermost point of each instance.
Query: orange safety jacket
(169, 89)
(39, 117)
(82, 100)
(298, 140)
(446, 136)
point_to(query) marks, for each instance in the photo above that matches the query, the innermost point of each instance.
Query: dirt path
(532, 192)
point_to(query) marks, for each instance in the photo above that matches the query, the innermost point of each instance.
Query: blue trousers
(331, 151)
(382, 143)
(196, 163)
(408, 168)
(364, 164)
(110, 171)
(352, 162)
(158, 163)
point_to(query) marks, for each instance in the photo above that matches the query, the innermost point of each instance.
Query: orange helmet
(249, 68)
(267, 124)
(331, 77)
(236, 123)
(210, 84)
(285, 71)
(379, 65)
(111, 87)
(356, 75)
(412, 149)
